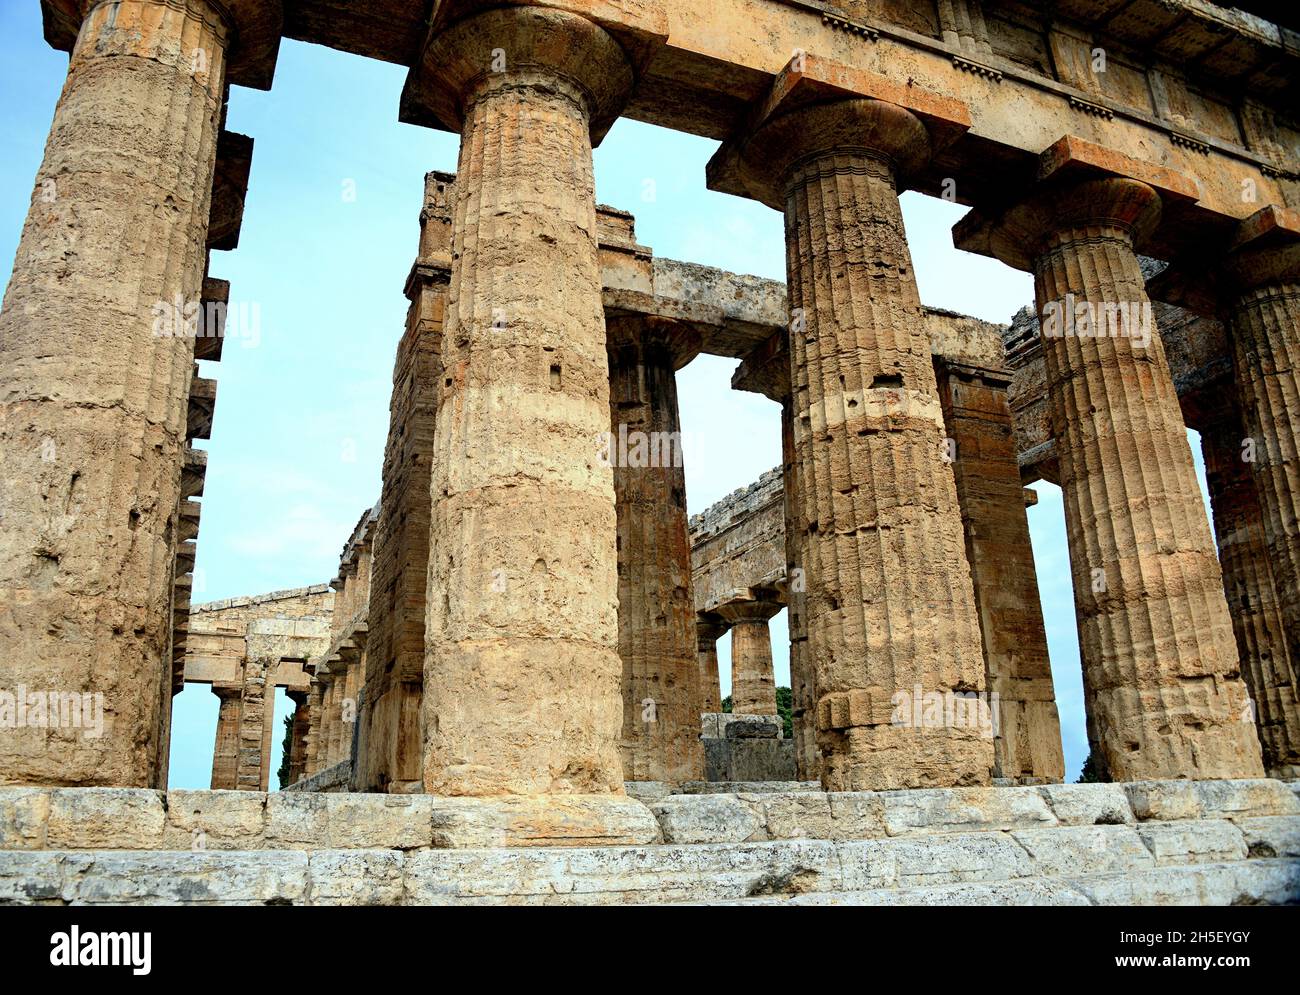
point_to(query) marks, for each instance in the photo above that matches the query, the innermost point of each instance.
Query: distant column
(753, 683)
(225, 752)
(707, 633)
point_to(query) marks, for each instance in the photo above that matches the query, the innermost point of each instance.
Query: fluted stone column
(890, 609)
(253, 767)
(1027, 730)
(1161, 669)
(315, 726)
(225, 751)
(522, 675)
(707, 634)
(753, 683)
(1264, 318)
(1250, 584)
(298, 737)
(92, 423)
(657, 641)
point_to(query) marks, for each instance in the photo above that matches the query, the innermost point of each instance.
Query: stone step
(1024, 861)
(1253, 882)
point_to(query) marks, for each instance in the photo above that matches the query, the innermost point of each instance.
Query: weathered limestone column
(1160, 659)
(1264, 319)
(1250, 585)
(522, 675)
(707, 634)
(890, 608)
(315, 725)
(1024, 720)
(92, 425)
(253, 768)
(298, 740)
(753, 684)
(657, 641)
(389, 745)
(225, 751)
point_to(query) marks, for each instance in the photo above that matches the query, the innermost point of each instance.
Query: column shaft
(656, 613)
(753, 686)
(225, 751)
(94, 375)
(1250, 585)
(889, 605)
(707, 634)
(1027, 740)
(803, 688)
(254, 734)
(1265, 324)
(522, 671)
(1154, 630)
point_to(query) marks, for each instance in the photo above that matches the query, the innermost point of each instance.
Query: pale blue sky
(301, 418)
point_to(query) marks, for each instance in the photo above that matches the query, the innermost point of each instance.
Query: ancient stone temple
(510, 691)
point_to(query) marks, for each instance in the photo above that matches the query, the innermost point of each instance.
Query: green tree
(285, 748)
(1093, 772)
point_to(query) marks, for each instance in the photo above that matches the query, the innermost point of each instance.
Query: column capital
(653, 333)
(766, 370)
(709, 629)
(253, 26)
(753, 606)
(1079, 184)
(1263, 250)
(858, 130)
(512, 48)
(1023, 232)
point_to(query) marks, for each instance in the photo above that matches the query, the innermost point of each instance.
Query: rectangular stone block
(708, 819)
(956, 810)
(947, 859)
(1069, 850)
(356, 877)
(296, 819)
(1271, 835)
(30, 878)
(1088, 804)
(215, 820)
(1163, 800)
(555, 821)
(187, 878)
(380, 821)
(1232, 799)
(105, 819)
(24, 814)
(1201, 842)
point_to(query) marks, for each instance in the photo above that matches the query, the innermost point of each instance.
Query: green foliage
(1093, 772)
(285, 748)
(785, 709)
(726, 704)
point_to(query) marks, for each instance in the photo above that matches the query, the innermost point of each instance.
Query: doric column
(328, 721)
(389, 747)
(889, 604)
(1250, 584)
(298, 736)
(1160, 658)
(1027, 730)
(92, 424)
(522, 673)
(1264, 318)
(225, 751)
(753, 684)
(253, 769)
(657, 641)
(315, 724)
(708, 630)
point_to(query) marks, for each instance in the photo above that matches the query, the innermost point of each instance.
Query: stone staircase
(1158, 843)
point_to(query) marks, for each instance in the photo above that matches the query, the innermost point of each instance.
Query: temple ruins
(509, 691)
